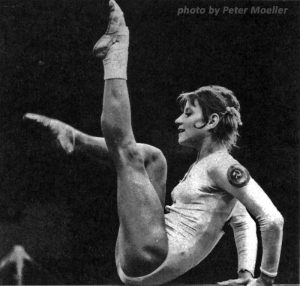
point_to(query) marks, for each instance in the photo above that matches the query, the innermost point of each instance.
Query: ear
(213, 120)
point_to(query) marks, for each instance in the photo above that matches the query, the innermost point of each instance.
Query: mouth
(180, 130)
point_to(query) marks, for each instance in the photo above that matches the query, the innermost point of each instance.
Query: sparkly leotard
(194, 222)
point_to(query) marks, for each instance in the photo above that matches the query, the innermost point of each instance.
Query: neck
(209, 146)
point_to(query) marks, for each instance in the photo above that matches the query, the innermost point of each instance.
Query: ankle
(115, 62)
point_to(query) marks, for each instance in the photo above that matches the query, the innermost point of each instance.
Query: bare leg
(142, 237)
(73, 141)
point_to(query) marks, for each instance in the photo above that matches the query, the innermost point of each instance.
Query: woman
(152, 247)
(164, 247)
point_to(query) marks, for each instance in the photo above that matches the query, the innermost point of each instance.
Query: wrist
(267, 280)
(244, 273)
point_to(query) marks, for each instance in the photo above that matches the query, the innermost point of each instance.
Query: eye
(187, 114)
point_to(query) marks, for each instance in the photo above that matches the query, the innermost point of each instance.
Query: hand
(238, 281)
(244, 278)
(261, 282)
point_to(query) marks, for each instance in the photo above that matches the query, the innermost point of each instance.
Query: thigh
(142, 236)
(156, 167)
(136, 189)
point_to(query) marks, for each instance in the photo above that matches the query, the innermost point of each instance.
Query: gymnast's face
(189, 125)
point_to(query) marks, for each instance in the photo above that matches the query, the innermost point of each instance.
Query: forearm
(246, 244)
(244, 229)
(271, 228)
(271, 225)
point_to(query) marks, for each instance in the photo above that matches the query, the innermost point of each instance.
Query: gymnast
(154, 247)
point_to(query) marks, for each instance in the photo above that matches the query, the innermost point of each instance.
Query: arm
(244, 230)
(251, 195)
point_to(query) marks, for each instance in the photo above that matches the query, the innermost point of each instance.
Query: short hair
(220, 100)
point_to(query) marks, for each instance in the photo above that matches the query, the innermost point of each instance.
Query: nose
(179, 120)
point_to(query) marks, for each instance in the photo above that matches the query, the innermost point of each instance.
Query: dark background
(62, 209)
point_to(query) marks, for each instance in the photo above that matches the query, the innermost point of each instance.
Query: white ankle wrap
(115, 62)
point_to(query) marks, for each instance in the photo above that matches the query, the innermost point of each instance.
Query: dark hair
(220, 100)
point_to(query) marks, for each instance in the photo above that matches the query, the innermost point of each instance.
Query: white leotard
(194, 222)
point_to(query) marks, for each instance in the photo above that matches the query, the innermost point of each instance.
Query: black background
(62, 209)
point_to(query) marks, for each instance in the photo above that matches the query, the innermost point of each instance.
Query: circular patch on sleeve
(238, 175)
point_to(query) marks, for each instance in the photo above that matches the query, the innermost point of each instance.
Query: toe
(37, 118)
(116, 13)
(32, 116)
(114, 6)
(28, 116)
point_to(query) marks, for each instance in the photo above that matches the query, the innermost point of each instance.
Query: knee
(131, 154)
(159, 158)
(156, 159)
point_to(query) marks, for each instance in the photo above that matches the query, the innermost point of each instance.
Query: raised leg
(143, 243)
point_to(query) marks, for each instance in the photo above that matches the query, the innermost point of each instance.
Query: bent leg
(154, 161)
(73, 141)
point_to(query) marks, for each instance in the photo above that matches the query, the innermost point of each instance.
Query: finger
(252, 282)
(224, 283)
(234, 282)
(242, 281)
